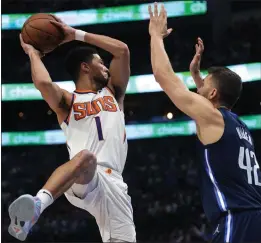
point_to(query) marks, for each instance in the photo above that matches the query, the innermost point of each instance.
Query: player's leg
(106, 198)
(118, 225)
(25, 210)
(81, 167)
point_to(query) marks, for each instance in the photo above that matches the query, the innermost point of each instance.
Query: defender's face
(208, 90)
(99, 71)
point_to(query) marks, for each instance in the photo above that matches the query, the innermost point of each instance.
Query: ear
(85, 67)
(213, 94)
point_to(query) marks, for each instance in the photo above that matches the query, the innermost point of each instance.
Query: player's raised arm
(194, 66)
(57, 98)
(192, 104)
(120, 64)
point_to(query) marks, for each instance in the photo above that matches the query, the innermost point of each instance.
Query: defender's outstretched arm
(192, 104)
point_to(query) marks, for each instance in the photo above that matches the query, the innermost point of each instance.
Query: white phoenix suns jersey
(97, 124)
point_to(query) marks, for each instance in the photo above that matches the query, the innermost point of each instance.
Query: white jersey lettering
(96, 123)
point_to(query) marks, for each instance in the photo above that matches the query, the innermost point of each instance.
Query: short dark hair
(75, 57)
(229, 85)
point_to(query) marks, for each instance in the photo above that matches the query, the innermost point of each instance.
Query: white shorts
(108, 202)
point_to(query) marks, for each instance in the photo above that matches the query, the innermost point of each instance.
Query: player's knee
(86, 160)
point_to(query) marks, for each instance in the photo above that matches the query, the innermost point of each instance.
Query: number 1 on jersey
(99, 128)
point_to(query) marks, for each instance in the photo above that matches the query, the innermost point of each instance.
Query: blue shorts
(239, 227)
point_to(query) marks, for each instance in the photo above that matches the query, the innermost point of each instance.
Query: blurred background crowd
(161, 172)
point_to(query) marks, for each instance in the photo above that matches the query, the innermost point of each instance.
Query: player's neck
(222, 107)
(217, 105)
(86, 84)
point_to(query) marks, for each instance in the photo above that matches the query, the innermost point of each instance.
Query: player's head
(222, 87)
(85, 61)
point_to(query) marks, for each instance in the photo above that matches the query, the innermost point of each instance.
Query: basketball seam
(39, 18)
(43, 31)
(30, 37)
(57, 20)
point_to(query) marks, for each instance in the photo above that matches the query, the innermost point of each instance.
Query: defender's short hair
(75, 57)
(229, 85)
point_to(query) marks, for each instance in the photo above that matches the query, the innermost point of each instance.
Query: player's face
(99, 71)
(208, 90)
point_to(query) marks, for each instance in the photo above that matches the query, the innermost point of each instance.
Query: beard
(101, 81)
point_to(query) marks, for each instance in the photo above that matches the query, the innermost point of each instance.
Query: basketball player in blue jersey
(92, 120)
(230, 174)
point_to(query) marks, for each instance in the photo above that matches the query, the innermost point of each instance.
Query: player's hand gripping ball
(41, 33)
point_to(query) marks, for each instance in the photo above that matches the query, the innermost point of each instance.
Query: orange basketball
(39, 32)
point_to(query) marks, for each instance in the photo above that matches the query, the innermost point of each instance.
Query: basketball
(39, 32)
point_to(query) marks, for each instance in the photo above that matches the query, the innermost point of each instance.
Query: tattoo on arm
(63, 104)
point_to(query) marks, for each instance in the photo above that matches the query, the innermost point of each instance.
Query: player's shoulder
(233, 118)
(212, 129)
(109, 90)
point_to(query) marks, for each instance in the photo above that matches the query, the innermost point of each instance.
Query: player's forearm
(177, 91)
(161, 66)
(115, 47)
(39, 72)
(197, 79)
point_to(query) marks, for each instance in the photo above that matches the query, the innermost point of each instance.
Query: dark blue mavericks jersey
(230, 173)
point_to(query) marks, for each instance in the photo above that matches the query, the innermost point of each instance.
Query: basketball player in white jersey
(92, 119)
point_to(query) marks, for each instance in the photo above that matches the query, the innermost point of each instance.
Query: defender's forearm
(197, 79)
(161, 65)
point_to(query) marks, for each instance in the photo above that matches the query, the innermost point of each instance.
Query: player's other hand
(29, 48)
(194, 66)
(69, 32)
(158, 22)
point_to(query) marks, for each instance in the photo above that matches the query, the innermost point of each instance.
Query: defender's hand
(194, 66)
(158, 22)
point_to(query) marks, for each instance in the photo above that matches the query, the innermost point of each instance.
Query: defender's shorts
(239, 227)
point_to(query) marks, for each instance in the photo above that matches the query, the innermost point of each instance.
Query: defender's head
(222, 87)
(85, 62)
